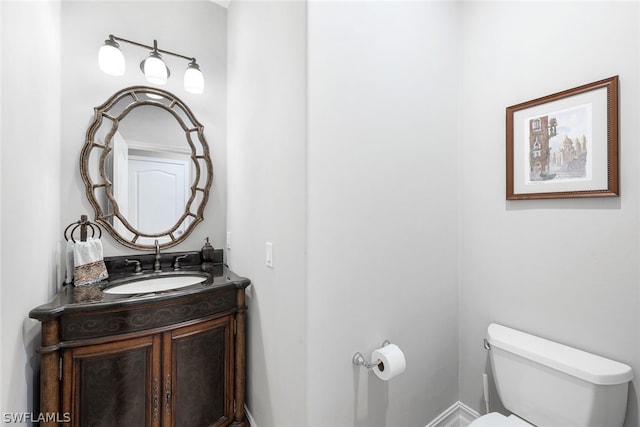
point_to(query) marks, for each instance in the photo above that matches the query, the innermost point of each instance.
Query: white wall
(1, 134)
(588, 249)
(267, 198)
(383, 214)
(192, 28)
(379, 206)
(29, 193)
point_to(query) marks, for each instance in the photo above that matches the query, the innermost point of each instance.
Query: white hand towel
(69, 263)
(88, 262)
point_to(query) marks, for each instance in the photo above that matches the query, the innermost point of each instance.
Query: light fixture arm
(154, 47)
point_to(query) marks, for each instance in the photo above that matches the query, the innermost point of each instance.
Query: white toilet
(547, 384)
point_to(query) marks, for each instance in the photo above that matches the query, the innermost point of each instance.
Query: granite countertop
(70, 299)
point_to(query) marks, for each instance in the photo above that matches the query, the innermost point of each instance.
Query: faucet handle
(176, 262)
(138, 268)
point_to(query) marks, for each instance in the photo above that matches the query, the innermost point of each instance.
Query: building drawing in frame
(558, 145)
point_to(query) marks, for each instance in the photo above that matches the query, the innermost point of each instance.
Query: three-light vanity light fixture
(111, 61)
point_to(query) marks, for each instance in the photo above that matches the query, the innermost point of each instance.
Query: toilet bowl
(552, 384)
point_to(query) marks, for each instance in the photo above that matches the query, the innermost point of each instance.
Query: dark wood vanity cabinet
(113, 384)
(202, 390)
(182, 377)
(174, 362)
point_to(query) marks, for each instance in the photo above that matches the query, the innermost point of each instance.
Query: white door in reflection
(158, 192)
(120, 176)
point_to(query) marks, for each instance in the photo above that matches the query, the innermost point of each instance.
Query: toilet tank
(551, 384)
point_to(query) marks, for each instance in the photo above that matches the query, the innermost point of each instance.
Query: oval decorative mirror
(146, 168)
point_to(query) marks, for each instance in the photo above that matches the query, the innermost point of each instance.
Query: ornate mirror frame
(98, 148)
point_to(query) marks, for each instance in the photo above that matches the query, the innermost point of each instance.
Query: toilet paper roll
(392, 362)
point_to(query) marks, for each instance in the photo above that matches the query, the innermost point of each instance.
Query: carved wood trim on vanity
(240, 419)
(112, 322)
(50, 372)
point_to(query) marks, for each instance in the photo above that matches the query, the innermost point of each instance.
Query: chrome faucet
(156, 265)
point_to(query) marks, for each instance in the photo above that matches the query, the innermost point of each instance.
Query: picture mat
(597, 146)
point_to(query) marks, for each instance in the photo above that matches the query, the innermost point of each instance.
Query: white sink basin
(155, 284)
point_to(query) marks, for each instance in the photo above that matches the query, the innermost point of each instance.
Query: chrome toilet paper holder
(359, 360)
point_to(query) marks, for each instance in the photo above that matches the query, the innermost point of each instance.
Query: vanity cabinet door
(113, 385)
(199, 374)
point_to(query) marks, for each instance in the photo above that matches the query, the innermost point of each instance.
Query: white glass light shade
(193, 79)
(111, 59)
(155, 70)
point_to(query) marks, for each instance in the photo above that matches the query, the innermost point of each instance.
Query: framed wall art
(564, 144)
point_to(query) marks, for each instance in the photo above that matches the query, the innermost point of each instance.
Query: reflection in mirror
(146, 168)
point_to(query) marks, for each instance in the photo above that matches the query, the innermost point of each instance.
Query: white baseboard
(249, 417)
(457, 415)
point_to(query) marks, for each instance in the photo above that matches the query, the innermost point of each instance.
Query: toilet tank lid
(587, 366)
